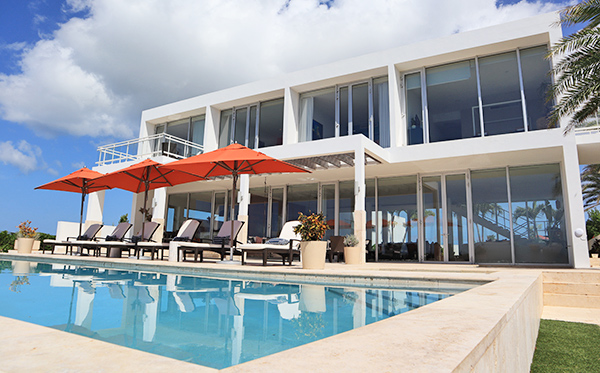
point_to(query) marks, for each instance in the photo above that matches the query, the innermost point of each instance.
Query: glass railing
(161, 144)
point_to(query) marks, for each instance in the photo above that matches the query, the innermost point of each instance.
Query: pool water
(206, 321)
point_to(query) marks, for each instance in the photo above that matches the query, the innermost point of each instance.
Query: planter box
(313, 254)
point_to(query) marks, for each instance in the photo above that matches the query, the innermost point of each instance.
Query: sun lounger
(186, 233)
(285, 246)
(85, 238)
(117, 235)
(114, 249)
(221, 244)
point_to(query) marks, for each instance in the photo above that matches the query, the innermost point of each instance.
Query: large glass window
(225, 128)
(317, 115)
(491, 216)
(538, 214)
(381, 112)
(501, 94)
(414, 112)
(301, 198)
(271, 123)
(360, 109)
(396, 222)
(241, 117)
(198, 132)
(346, 203)
(176, 212)
(433, 218)
(536, 81)
(257, 211)
(200, 209)
(456, 215)
(328, 207)
(277, 211)
(452, 101)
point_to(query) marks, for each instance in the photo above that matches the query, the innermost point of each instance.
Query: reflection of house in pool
(433, 152)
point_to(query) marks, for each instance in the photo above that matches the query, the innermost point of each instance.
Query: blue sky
(75, 74)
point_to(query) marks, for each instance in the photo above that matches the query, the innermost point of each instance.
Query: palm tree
(578, 84)
(530, 213)
(590, 182)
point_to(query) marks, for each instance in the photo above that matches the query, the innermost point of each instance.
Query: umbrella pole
(233, 195)
(83, 193)
(143, 217)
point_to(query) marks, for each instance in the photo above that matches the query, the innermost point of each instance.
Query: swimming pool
(206, 321)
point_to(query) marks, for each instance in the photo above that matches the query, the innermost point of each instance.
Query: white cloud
(25, 156)
(95, 74)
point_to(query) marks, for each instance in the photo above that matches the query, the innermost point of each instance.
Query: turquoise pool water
(206, 321)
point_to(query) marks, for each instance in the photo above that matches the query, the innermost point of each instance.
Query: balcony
(161, 144)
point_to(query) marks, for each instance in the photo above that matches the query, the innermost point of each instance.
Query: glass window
(225, 128)
(381, 112)
(239, 135)
(271, 123)
(200, 209)
(301, 198)
(491, 216)
(360, 109)
(501, 94)
(396, 221)
(452, 101)
(536, 81)
(432, 215)
(317, 115)
(198, 132)
(457, 229)
(176, 213)
(346, 205)
(180, 129)
(538, 214)
(414, 112)
(328, 207)
(343, 91)
(370, 209)
(220, 212)
(276, 211)
(257, 211)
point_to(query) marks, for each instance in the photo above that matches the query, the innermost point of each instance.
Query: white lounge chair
(221, 244)
(186, 233)
(86, 238)
(286, 245)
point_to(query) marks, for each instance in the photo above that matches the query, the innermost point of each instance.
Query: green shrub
(592, 227)
(7, 241)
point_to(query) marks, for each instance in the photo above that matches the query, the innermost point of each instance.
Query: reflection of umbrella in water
(82, 181)
(233, 160)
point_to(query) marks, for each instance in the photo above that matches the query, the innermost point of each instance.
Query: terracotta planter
(313, 254)
(354, 255)
(24, 245)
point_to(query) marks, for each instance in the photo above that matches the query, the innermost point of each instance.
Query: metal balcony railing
(587, 130)
(161, 144)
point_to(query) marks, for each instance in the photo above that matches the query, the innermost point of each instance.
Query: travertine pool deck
(471, 331)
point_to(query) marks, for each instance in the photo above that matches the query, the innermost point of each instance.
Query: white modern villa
(433, 152)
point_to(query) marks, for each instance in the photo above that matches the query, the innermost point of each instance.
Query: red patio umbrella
(233, 160)
(144, 176)
(82, 181)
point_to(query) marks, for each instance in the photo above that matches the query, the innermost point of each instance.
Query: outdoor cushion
(278, 241)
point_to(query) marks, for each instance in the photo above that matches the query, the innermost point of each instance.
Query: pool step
(572, 289)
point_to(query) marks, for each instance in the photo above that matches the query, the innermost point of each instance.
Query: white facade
(447, 159)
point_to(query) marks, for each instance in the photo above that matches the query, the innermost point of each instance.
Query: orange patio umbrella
(144, 176)
(233, 160)
(82, 181)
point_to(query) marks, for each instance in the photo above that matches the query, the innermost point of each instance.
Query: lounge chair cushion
(112, 238)
(185, 239)
(278, 241)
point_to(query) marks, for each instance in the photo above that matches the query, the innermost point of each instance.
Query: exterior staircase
(572, 288)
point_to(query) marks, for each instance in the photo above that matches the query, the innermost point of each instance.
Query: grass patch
(567, 347)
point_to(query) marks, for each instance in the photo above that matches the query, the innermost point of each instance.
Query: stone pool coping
(490, 327)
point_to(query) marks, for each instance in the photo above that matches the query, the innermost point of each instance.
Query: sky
(76, 74)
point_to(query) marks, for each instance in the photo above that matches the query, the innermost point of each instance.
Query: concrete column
(243, 203)
(95, 208)
(159, 209)
(211, 129)
(575, 216)
(291, 102)
(397, 135)
(360, 215)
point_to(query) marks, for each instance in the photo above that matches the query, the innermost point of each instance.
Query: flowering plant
(26, 231)
(311, 227)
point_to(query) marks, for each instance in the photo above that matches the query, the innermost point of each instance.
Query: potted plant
(352, 250)
(25, 237)
(311, 229)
